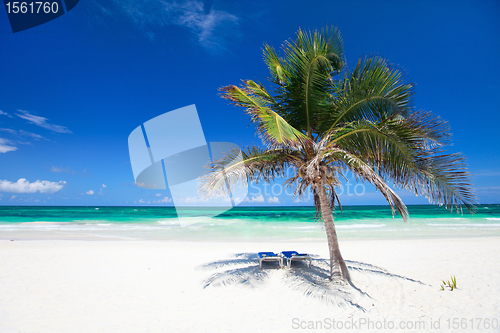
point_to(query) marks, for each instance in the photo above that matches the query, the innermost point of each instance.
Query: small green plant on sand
(452, 284)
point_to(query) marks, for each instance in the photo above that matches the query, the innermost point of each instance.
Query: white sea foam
(139, 227)
(294, 227)
(360, 226)
(116, 237)
(465, 225)
(87, 222)
(168, 222)
(44, 223)
(193, 226)
(305, 227)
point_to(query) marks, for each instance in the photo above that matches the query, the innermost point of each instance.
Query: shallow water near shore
(241, 223)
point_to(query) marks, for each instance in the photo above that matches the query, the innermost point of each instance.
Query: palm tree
(323, 120)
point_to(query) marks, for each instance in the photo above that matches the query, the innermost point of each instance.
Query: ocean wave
(77, 227)
(360, 226)
(44, 223)
(169, 222)
(465, 225)
(294, 227)
(114, 237)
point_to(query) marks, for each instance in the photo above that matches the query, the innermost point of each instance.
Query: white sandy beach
(163, 286)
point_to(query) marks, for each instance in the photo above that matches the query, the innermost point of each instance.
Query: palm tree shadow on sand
(313, 282)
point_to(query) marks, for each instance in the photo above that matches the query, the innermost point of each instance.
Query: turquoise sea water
(240, 223)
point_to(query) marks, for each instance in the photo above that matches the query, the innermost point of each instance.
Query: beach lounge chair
(294, 255)
(270, 256)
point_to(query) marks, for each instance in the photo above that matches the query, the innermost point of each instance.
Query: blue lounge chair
(294, 255)
(270, 256)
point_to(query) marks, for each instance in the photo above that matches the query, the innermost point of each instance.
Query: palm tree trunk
(336, 260)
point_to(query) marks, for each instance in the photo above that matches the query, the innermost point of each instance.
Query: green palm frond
(303, 75)
(276, 65)
(241, 167)
(443, 179)
(387, 147)
(410, 152)
(274, 130)
(323, 119)
(259, 90)
(372, 91)
(362, 171)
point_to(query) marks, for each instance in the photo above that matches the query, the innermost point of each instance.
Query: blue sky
(73, 89)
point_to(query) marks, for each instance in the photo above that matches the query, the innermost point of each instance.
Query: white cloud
(90, 192)
(147, 185)
(258, 198)
(236, 200)
(142, 201)
(42, 122)
(11, 145)
(13, 197)
(164, 200)
(8, 130)
(101, 192)
(5, 146)
(192, 15)
(23, 133)
(210, 25)
(24, 186)
(101, 189)
(61, 169)
(158, 194)
(5, 114)
(273, 200)
(31, 135)
(193, 199)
